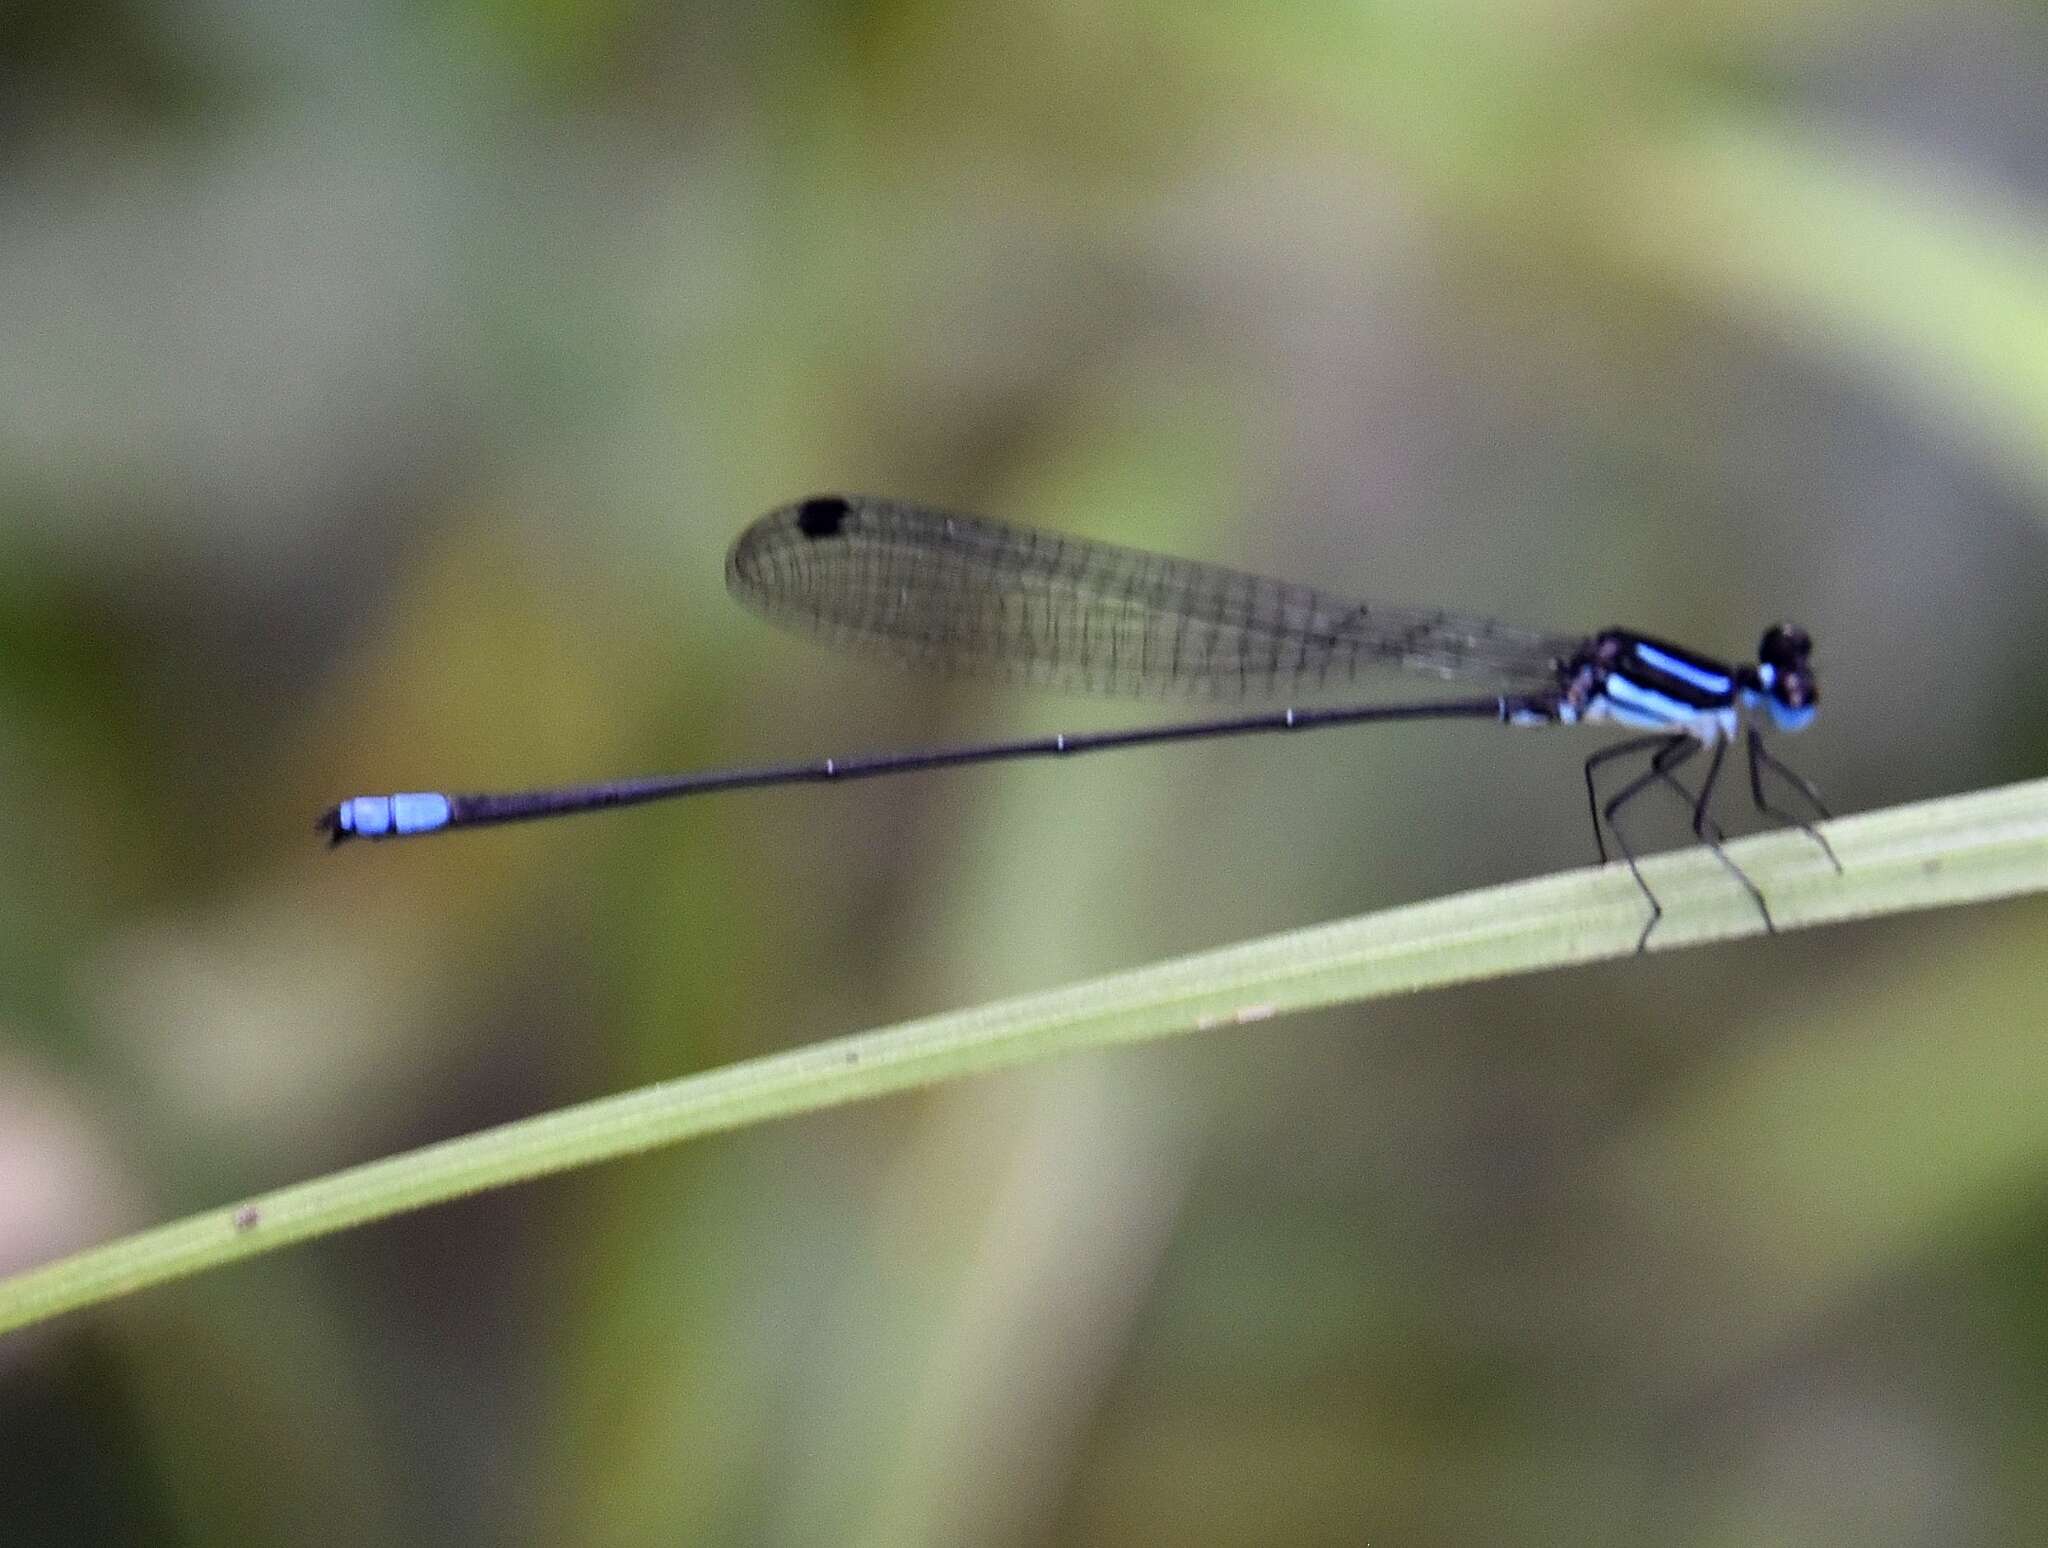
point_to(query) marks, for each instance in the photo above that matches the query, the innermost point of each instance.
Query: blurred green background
(382, 385)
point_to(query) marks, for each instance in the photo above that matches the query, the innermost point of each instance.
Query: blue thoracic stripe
(1634, 704)
(1718, 683)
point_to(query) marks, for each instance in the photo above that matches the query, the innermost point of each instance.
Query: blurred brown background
(382, 384)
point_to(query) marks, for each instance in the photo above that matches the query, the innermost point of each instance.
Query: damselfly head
(1784, 673)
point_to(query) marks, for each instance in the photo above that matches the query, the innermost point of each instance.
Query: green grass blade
(1964, 849)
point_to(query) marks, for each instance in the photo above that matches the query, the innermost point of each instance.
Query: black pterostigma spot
(822, 516)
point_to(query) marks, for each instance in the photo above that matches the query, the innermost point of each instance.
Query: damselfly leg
(1760, 758)
(1607, 755)
(1672, 752)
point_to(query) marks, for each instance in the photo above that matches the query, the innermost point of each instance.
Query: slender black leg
(1713, 834)
(1671, 752)
(1634, 744)
(1701, 823)
(1708, 831)
(1700, 820)
(1759, 758)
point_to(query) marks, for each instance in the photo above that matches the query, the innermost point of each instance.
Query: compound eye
(1786, 647)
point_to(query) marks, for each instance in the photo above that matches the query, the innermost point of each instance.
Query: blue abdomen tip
(420, 812)
(393, 816)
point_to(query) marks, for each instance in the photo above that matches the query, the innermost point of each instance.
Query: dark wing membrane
(965, 594)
